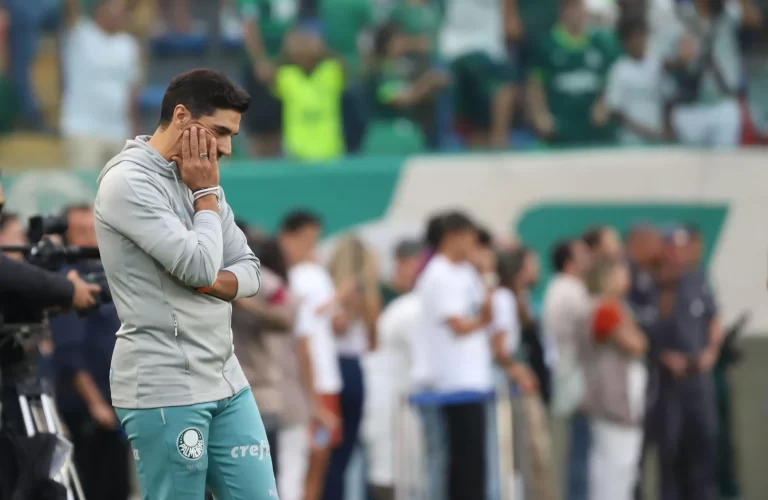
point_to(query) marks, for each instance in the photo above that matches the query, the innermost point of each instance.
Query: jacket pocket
(179, 343)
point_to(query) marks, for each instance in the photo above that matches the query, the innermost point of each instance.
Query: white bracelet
(205, 192)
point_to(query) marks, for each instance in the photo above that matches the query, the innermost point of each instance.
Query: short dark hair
(510, 263)
(631, 26)
(202, 92)
(434, 231)
(562, 253)
(383, 37)
(593, 236)
(297, 220)
(454, 222)
(484, 237)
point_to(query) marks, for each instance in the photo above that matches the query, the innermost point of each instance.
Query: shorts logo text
(255, 450)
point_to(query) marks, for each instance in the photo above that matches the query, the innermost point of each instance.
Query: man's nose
(224, 147)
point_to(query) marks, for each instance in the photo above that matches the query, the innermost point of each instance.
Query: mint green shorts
(180, 450)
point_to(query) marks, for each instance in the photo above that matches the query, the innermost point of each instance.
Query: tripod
(40, 415)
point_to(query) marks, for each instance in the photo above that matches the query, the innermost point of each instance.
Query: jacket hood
(139, 152)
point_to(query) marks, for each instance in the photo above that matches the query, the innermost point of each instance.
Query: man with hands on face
(175, 259)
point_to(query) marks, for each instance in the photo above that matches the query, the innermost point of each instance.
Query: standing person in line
(355, 328)
(603, 242)
(175, 260)
(566, 304)
(408, 257)
(456, 315)
(613, 355)
(295, 387)
(313, 287)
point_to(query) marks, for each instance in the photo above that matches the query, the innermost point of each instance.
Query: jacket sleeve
(135, 206)
(238, 257)
(29, 283)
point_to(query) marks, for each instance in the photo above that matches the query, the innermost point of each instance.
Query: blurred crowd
(625, 345)
(330, 77)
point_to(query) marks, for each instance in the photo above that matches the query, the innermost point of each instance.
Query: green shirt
(386, 84)
(275, 18)
(344, 20)
(573, 71)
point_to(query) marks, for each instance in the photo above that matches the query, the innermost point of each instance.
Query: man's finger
(203, 142)
(185, 154)
(194, 148)
(213, 149)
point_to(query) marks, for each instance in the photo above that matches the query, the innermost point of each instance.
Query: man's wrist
(207, 203)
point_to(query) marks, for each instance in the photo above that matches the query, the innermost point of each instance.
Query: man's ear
(181, 116)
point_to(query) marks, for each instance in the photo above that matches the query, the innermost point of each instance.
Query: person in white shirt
(456, 315)
(314, 289)
(634, 93)
(352, 266)
(101, 66)
(566, 304)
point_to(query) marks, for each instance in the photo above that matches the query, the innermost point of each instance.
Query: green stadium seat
(393, 137)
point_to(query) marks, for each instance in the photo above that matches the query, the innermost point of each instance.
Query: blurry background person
(12, 233)
(258, 322)
(567, 79)
(81, 358)
(310, 83)
(603, 242)
(686, 338)
(703, 57)
(408, 257)
(565, 307)
(9, 108)
(314, 291)
(265, 24)
(616, 377)
(101, 66)
(295, 391)
(473, 41)
(401, 95)
(456, 314)
(634, 93)
(354, 325)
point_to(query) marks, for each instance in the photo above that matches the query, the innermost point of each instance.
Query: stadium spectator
(565, 307)
(408, 257)
(12, 233)
(258, 323)
(634, 93)
(456, 314)
(686, 339)
(102, 70)
(352, 264)
(265, 24)
(310, 86)
(176, 16)
(8, 103)
(314, 290)
(401, 94)
(419, 21)
(81, 358)
(567, 80)
(295, 390)
(473, 41)
(603, 242)
(704, 59)
(616, 377)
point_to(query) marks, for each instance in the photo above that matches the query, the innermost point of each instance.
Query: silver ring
(203, 155)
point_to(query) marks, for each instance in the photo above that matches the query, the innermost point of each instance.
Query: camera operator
(82, 353)
(705, 64)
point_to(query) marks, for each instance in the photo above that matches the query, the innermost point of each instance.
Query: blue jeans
(578, 457)
(436, 440)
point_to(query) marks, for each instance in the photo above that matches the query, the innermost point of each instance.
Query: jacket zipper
(231, 351)
(178, 343)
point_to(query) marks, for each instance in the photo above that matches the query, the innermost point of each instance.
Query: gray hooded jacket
(174, 346)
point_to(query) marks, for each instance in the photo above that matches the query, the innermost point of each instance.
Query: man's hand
(524, 377)
(706, 360)
(104, 415)
(675, 362)
(84, 296)
(198, 165)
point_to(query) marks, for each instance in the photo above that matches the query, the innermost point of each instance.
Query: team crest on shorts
(190, 443)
